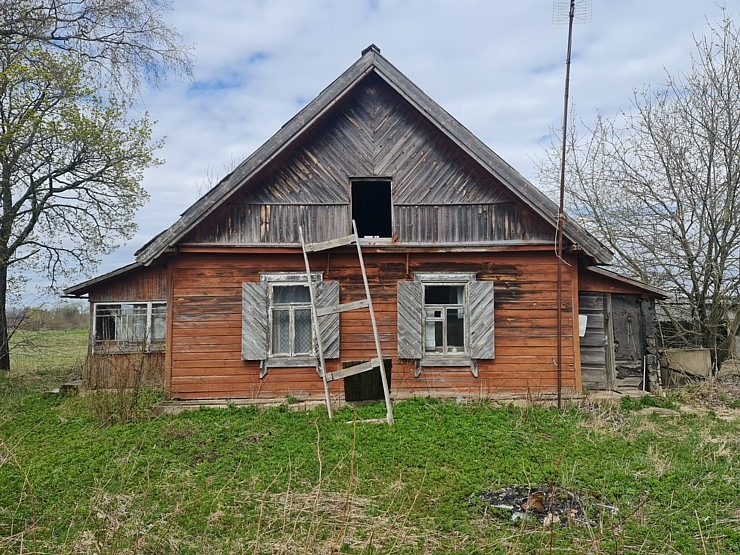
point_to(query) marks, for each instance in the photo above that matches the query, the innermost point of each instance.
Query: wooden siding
(206, 328)
(596, 369)
(439, 193)
(141, 284)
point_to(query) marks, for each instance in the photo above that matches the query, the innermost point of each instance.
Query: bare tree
(124, 42)
(659, 184)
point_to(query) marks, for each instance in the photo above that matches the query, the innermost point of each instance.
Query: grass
(44, 359)
(242, 480)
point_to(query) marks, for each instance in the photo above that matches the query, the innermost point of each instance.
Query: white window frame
(460, 358)
(121, 344)
(282, 279)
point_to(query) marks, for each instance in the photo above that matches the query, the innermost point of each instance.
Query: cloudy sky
(497, 66)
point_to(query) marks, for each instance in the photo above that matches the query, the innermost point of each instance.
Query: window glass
(131, 325)
(281, 332)
(159, 321)
(107, 321)
(292, 332)
(289, 294)
(444, 319)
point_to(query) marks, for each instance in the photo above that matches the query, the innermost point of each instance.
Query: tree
(70, 166)
(659, 184)
(122, 41)
(71, 158)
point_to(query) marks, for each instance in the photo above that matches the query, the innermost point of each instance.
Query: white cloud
(496, 66)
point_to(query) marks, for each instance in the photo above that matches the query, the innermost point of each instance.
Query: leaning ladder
(316, 313)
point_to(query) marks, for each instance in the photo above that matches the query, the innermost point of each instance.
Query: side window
(445, 320)
(277, 326)
(130, 326)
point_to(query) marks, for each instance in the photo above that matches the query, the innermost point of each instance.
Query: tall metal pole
(561, 213)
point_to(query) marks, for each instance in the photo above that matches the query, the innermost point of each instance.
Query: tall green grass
(243, 480)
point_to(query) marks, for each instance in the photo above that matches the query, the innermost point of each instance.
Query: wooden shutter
(327, 296)
(409, 319)
(480, 303)
(254, 321)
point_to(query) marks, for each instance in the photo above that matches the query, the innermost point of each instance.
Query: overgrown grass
(276, 481)
(243, 480)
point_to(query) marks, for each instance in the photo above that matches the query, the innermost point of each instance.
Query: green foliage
(638, 403)
(267, 481)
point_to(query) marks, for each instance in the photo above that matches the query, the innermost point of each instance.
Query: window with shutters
(445, 319)
(277, 326)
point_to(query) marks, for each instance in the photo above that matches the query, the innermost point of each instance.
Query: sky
(497, 67)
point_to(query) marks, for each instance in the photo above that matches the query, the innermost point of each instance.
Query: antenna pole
(561, 213)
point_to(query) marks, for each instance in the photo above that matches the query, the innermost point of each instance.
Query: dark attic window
(371, 207)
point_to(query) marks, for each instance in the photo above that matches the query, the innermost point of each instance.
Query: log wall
(204, 341)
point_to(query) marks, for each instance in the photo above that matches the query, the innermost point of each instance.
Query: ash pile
(546, 504)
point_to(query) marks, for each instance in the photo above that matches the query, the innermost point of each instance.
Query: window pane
(444, 294)
(302, 330)
(287, 294)
(107, 321)
(455, 329)
(159, 320)
(281, 332)
(134, 322)
(433, 331)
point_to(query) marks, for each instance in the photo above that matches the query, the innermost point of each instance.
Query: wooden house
(458, 250)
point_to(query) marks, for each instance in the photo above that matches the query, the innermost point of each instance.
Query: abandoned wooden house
(457, 250)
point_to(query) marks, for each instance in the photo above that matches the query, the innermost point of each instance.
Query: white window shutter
(327, 296)
(254, 321)
(409, 319)
(481, 326)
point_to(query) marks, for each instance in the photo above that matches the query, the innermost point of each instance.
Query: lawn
(243, 480)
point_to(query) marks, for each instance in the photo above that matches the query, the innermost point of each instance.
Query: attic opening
(371, 207)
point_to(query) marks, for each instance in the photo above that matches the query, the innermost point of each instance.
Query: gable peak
(371, 48)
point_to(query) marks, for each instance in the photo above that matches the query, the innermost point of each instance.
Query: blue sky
(498, 67)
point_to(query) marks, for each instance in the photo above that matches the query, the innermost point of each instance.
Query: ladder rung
(331, 243)
(354, 305)
(352, 370)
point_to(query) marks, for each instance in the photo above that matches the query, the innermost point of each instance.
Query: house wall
(141, 284)
(204, 338)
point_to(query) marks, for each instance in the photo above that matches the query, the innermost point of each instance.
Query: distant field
(43, 359)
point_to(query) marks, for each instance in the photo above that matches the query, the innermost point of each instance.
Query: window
(372, 207)
(290, 312)
(130, 326)
(445, 319)
(277, 326)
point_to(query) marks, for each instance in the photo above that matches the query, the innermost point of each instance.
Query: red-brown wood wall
(204, 331)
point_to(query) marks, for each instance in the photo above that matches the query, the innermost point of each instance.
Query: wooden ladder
(317, 313)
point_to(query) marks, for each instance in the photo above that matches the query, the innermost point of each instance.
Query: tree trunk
(4, 332)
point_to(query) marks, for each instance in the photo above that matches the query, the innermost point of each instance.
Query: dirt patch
(720, 396)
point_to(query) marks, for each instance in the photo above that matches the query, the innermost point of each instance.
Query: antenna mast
(565, 11)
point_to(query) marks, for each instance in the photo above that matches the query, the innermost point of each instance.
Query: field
(242, 480)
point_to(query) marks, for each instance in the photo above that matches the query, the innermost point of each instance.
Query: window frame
(461, 358)
(279, 279)
(480, 320)
(148, 343)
